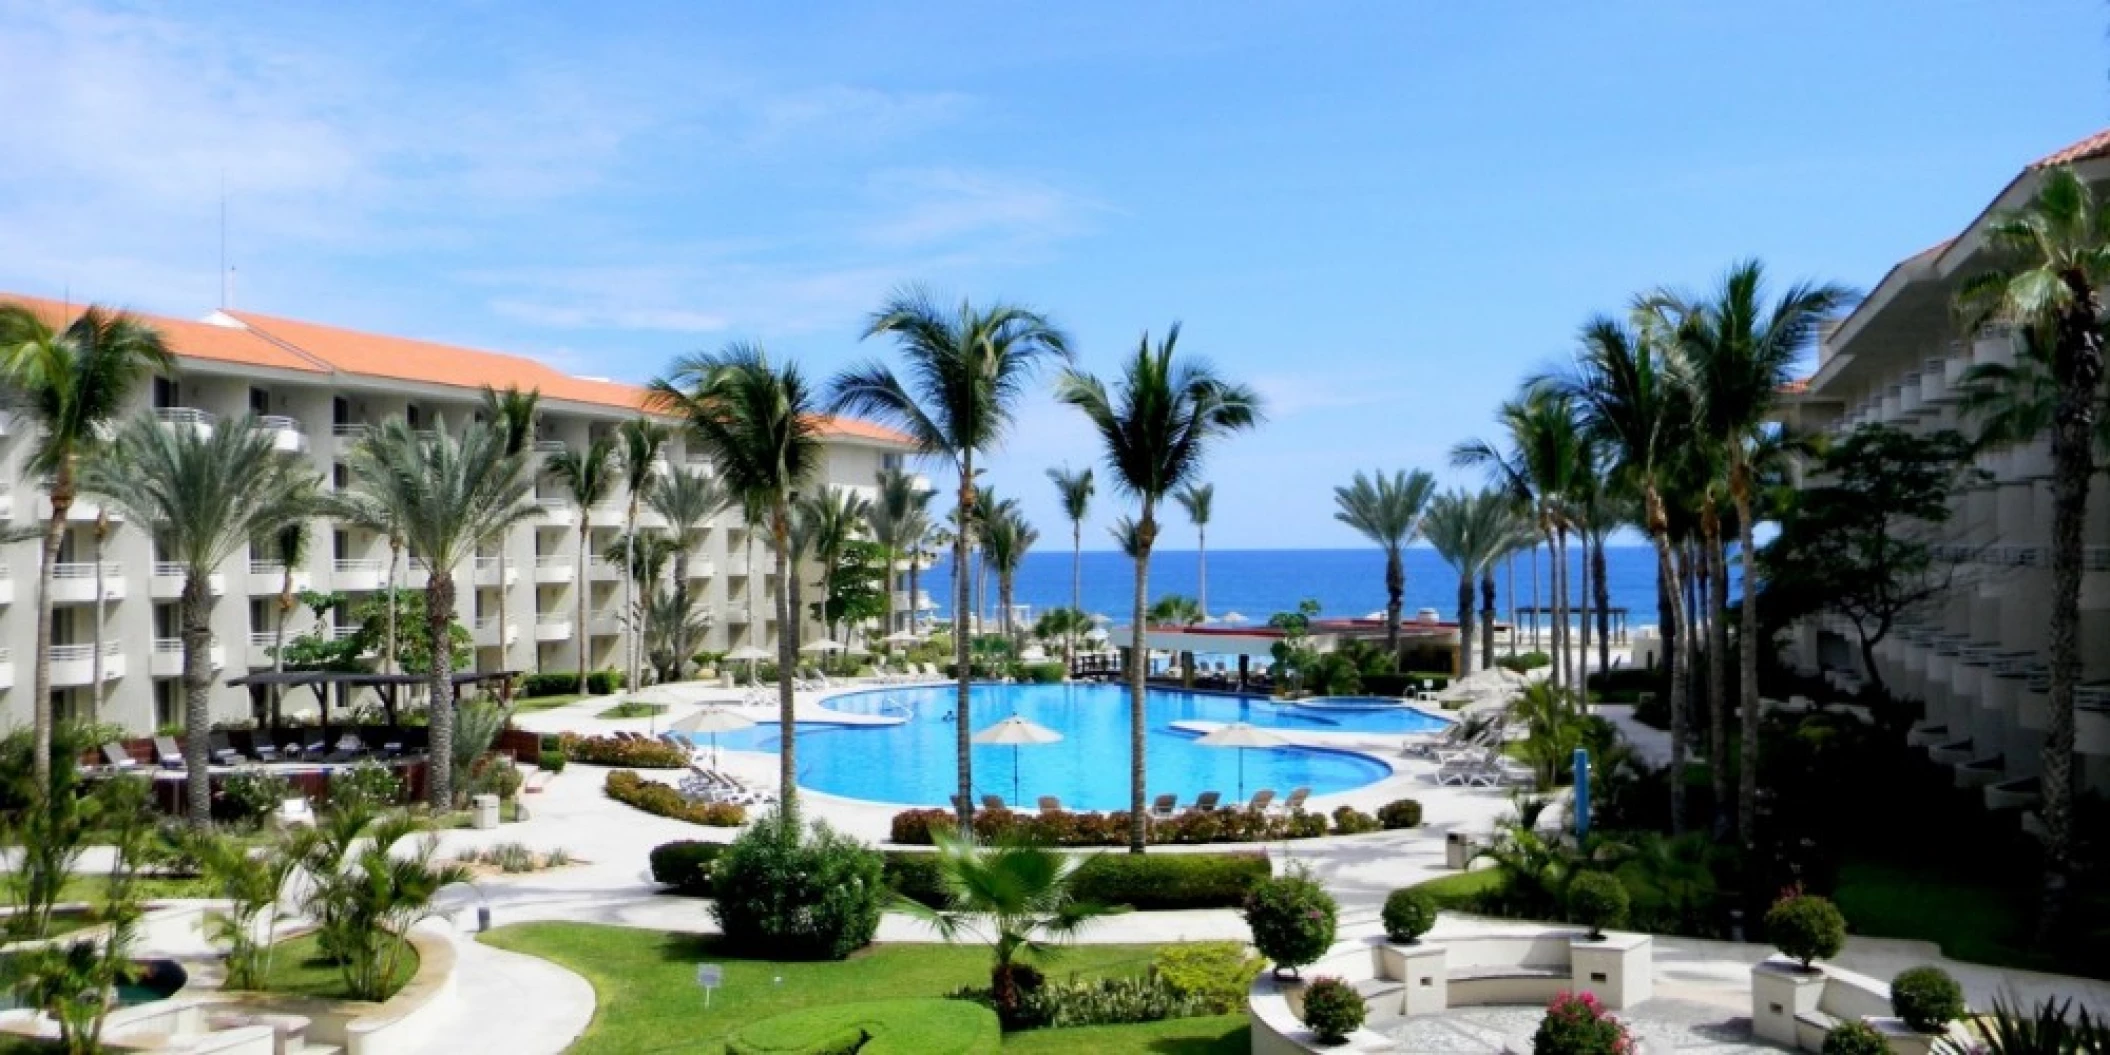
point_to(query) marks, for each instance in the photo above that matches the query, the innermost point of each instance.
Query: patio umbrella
(713, 720)
(1240, 735)
(1015, 731)
(751, 655)
(821, 645)
(902, 637)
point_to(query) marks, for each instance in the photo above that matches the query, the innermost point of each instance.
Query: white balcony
(269, 576)
(739, 616)
(364, 573)
(73, 665)
(555, 569)
(487, 572)
(485, 633)
(7, 499)
(550, 446)
(7, 586)
(602, 568)
(286, 433)
(84, 510)
(702, 569)
(168, 657)
(7, 669)
(185, 418)
(557, 512)
(606, 514)
(260, 642)
(74, 582)
(350, 431)
(604, 623)
(167, 582)
(736, 565)
(415, 574)
(552, 626)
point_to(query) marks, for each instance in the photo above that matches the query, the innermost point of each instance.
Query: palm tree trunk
(2078, 367)
(1747, 660)
(287, 601)
(1726, 811)
(1513, 603)
(629, 626)
(1201, 556)
(40, 699)
(1395, 596)
(95, 664)
(439, 618)
(963, 673)
(1003, 597)
(1582, 625)
(388, 652)
(1568, 657)
(504, 656)
(1604, 605)
(1077, 565)
(1465, 622)
(1487, 615)
(681, 604)
(582, 583)
(915, 583)
(1557, 573)
(787, 662)
(1674, 643)
(1535, 607)
(1138, 733)
(195, 614)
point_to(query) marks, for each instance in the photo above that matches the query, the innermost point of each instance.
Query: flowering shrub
(1067, 828)
(635, 754)
(1292, 918)
(1577, 1024)
(1333, 1009)
(652, 796)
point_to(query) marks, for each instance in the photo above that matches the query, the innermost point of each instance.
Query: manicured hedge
(609, 751)
(1066, 828)
(1140, 881)
(686, 865)
(652, 796)
(923, 1026)
(564, 683)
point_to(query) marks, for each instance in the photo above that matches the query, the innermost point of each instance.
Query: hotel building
(318, 389)
(1977, 657)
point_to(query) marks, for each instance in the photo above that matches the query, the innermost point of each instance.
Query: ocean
(1259, 583)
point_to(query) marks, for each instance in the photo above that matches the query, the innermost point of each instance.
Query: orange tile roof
(190, 340)
(2095, 146)
(1796, 386)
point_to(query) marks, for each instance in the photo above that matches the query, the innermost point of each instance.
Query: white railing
(168, 569)
(553, 501)
(358, 564)
(85, 569)
(183, 416)
(549, 446)
(350, 430)
(265, 638)
(79, 653)
(7, 655)
(552, 618)
(542, 560)
(279, 423)
(487, 564)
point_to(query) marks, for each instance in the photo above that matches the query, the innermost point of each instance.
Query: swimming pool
(913, 762)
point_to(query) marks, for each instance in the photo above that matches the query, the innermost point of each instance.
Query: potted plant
(1855, 1038)
(1293, 920)
(1578, 1024)
(1597, 900)
(1332, 1010)
(1408, 914)
(1806, 928)
(1926, 998)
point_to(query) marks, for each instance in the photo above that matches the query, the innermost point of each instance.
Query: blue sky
(1380, 214)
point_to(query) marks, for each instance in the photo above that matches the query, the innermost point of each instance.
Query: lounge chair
(222, 750)
(349, 748)
(1260, 801)
(1164, 805)
(1205, 802)
(1050, 804)
(1295, 802)
(166, 754)
(266, 753)
(116, 757)
(993, 802)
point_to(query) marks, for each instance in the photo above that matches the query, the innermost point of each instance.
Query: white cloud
(919, 207)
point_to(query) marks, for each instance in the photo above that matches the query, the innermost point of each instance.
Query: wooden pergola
(346, 682)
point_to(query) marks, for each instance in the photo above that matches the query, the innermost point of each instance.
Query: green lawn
(544, 703)
(298, 968)
(1973, 920)
(1452, 891)
(633, 709)
(647, 999)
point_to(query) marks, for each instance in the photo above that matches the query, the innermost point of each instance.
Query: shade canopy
(902, 637)
(713, 720)
(1240, 734)
(750, 652)
(822, 645)
(1016, 730)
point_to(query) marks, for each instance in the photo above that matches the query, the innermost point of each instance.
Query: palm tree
(968, 368)
(1005, 540)
(1198, 499)
(1016, 893)
(1539, 467)
(104, 528)
(1075, 491)
(1743, 352)
(686, 500)
(1634, 398)
(455, 494)
(1158, 424)
(210, 492)
(761, 427)
(896, 522)
(514, 414)
(1470, 532)
(291, 547)
(1387, 510)
(835, 516)
(640, 441)
(2059, 245)
(588, 476)
(72, 383)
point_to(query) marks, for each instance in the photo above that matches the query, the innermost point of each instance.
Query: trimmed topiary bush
(1347, 820)
(1332, 1010)
(797, 894)
(1408, 914)
(1926, 998)
(654, 797)
(1855, 1038)
(929, 1025)
(1578, 1024)
(1806, 928)
(1399, 813)
(1216, 973)
(550, 761)
(686, 865)
(634, 754)
(1293, 920)
(1145, 883)
(1597, 900)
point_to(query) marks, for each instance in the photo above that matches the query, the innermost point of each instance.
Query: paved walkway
(1661, 1025)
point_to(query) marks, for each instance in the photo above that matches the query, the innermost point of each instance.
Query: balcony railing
(552, 618)
(168, 569)
(183, 416)
(350, 430)
(266, 638)
(82, 653)
(86, 569)
(279, 423)
(549, 446)
(359, 564)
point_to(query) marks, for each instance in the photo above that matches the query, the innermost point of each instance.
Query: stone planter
(1619, 970)
(1781, 991)
(1422, 971)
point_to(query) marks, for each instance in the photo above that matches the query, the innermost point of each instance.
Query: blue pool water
(913, 762)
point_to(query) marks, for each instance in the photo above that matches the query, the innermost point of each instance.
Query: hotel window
(890, 461)
(168, 703)
(167, 393)
(259, 402)
(410, 414)
(341, 411)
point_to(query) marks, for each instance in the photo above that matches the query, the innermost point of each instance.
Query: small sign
(709, 976)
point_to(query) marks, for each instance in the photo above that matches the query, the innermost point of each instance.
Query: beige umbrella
(821, 645)
(1015, 731)
(1240, 735)
(751, 655)
(713, 720)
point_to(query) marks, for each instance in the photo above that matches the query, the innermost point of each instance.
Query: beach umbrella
(1015, 731)
(1240, 735)
(749, 653)
(902, 637)
(821, 645)
(713, 720)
